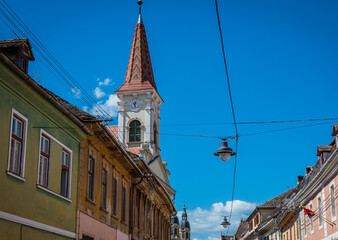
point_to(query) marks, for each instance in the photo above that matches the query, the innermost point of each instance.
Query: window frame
(104, 185)
(44, 155)
(67, 168)
(304, 223)
(64, 147)
(333, 205)
(115, 186)
(24, 121)
(123, 203)
(135, 134)
(320, 211)
(91, 194)
(312, 228)
(24, 61)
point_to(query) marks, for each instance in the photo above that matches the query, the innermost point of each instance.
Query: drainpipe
(299, 225)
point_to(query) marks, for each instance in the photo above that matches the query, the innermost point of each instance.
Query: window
(175, 231)
(320, 213)
(65, 173)
(304, 222)
(124, 198)
(91, 175)
(114, 200)
(104, 189)
(22, 63)
(17, 144)
(311, 220)
(333, 202)
(135, 131)
(44, 161)
(85, 237)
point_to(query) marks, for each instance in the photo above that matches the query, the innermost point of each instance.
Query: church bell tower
(139, 107)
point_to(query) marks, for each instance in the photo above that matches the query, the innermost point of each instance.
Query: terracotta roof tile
(139, 73)
(114, 130)
(135, 151)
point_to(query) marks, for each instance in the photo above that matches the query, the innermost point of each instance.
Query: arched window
(135, 131)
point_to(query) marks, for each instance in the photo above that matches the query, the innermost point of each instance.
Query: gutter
(32, 83)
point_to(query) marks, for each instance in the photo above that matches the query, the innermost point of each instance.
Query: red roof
(135, 151)
(114, 130)
(139, 73)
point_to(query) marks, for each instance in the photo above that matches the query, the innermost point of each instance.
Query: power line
(245, 135)
(232, 108)
(52, 62)
(249, 123)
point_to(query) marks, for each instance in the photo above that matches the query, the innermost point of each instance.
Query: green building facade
(39, 153)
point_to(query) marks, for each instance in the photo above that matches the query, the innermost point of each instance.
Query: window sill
(53, 193)
(333, 218)
(114, 216)
(91, 201)
(104, 210)
(15, 175)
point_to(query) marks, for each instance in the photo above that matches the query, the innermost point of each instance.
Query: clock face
(134, 105)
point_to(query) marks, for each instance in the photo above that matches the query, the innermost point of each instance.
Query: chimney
(308, 170)
(299, 179)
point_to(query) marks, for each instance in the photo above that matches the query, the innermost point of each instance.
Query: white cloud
(205, 223)
(213, 238)
(109, 106)
(99, 93)
(85, 108)
(105, 82)
(76, 92)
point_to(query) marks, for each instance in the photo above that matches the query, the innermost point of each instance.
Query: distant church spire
(139, 73)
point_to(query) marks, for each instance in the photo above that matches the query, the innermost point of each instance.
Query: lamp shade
(224, 152)
(225, 222)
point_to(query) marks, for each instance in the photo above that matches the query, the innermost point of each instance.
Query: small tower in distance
(180, 231)
(185, 226)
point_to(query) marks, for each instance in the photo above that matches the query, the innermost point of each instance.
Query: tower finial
(139, 2)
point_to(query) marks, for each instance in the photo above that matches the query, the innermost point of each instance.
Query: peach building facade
(320, 195)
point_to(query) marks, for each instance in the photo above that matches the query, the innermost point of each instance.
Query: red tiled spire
(139, 73)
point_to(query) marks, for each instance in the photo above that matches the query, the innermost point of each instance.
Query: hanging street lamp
(225, 222)
(224, 152)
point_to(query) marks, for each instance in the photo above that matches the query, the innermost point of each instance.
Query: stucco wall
(24, 198)
(95, 229)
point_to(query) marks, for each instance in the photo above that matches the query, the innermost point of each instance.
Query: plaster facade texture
(95, 229)
(108, 202)
(327, 227)
(23, 199)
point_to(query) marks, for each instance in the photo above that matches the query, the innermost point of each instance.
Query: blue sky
(282, 60)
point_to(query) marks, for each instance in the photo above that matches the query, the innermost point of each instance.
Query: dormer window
(22, 63)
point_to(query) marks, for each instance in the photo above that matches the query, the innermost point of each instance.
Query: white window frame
(24, 142)
(305, 225)
(43, 132)
(333, 218)
(312, 228)
(320, 213)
